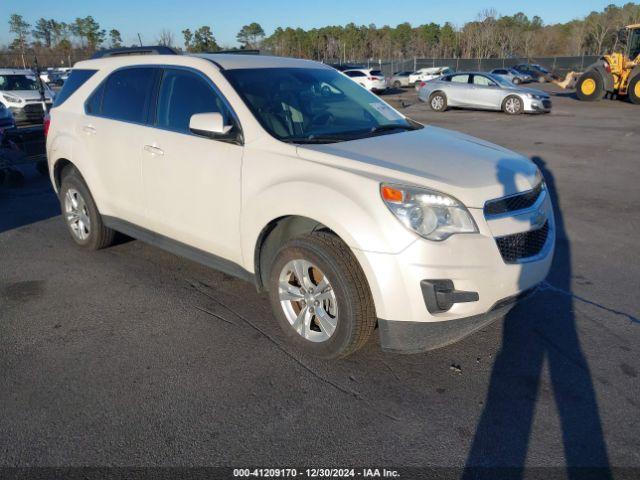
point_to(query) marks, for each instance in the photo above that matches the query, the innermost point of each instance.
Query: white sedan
(372, 80)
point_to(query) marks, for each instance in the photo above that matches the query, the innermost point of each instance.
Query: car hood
(470, 169)
(28, 94)
(533, 91)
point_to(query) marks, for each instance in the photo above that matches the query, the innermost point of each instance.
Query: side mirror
(209, 125)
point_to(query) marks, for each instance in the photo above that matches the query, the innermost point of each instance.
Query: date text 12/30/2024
(315, 473)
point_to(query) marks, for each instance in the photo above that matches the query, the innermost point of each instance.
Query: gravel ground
(133, 356)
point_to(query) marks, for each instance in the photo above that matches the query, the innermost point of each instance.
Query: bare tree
(166, 38)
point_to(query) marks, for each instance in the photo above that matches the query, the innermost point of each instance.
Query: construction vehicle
(616, 74)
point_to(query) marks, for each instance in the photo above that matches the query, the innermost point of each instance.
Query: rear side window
(76, 79)
(355, 74)
(183, 94)
(128, 93)
(460, 79)
(377, 73)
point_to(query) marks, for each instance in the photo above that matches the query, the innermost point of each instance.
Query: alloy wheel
(77, 214)
(308, 300)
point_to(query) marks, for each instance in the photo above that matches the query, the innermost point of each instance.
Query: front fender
(347, 203)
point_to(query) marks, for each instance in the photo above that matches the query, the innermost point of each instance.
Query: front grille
(514, 202)
(523, 245)
(546, 103)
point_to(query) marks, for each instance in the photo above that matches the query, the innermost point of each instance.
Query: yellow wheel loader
(615, 73)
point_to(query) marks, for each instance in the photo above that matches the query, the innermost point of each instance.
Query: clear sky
(148, 17)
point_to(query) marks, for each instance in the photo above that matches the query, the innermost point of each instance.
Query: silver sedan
(482, 91)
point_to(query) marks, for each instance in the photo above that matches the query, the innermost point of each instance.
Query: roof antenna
(140, 39)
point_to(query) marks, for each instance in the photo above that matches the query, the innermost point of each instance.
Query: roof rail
(150, 50)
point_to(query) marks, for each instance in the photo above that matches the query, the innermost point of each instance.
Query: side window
(76, 79)
(460, 79)
(482, 81)
(183, 94)
(128, 93)
(93, 105)
(356, 74)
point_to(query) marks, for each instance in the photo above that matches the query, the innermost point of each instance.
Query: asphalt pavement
(131, 356)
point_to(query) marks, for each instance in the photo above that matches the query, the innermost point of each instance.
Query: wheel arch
(274, 234)
(607, 78)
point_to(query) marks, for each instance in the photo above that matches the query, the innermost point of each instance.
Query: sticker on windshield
(386, 111)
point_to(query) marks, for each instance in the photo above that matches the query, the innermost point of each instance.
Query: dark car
(537, 72)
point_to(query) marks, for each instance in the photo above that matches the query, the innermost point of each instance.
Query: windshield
(314, 105)
(18, 82)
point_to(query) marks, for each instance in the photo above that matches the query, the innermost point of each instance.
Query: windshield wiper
(385, 128)
(318, 139)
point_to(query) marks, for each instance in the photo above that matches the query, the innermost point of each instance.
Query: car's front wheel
(513, 105)
(320, 296)
(81, 214)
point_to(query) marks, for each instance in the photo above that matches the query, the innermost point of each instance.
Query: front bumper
(532, 105)
(472, 262)
(418, 337)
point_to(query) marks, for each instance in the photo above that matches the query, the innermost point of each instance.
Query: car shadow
(26, 196)
(503, 433)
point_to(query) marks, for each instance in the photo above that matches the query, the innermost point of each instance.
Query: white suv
(287, 174)
(372, 80)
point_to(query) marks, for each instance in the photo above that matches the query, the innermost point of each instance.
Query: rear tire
(634, 90)
(80, 213)
(397, 84)
(327, 261)
(438, 102)
(590, 87)
(513, 105)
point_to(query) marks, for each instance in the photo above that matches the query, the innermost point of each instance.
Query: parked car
(400, 79)
(426, 74)
(512, 75)
(348, 213)
(483, 91)
(20, 92)
(536, 72)
(372, 80)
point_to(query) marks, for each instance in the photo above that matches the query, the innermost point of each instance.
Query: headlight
(432, 215)
(534, 96)
(11, 98)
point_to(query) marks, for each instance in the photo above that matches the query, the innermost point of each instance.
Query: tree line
(491, 35)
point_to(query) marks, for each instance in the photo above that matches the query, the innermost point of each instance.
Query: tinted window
(127, 94)
(93, 105)
(377, 73)
(500, 72)
(76, 79)
(355, 74)
(183, 94)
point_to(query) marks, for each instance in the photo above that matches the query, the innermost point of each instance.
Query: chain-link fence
(558, 65)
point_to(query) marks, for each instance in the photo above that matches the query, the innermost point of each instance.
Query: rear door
(115, 119)
(192, 183)
(457, 90)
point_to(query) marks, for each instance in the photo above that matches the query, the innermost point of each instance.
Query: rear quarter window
(76, 79)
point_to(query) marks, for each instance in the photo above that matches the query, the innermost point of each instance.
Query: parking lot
(133, 356)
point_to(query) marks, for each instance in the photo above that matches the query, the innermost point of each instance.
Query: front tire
(513, 105)
(397, 84)
(80, 213)
(634, 90)
(590, 87)
(320, 296)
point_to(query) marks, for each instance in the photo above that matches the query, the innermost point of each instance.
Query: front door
(192, 183)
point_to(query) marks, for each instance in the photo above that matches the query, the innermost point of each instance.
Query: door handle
(89, 129)
(153, 150)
